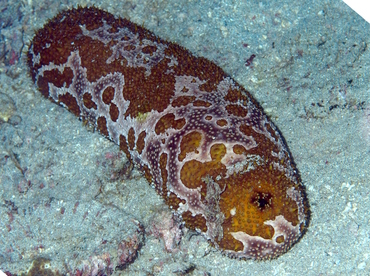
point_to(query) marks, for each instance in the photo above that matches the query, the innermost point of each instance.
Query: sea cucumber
(199, 137)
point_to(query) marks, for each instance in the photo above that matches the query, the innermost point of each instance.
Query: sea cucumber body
(198, 136)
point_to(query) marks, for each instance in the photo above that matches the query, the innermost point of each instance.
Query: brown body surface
(199, 137)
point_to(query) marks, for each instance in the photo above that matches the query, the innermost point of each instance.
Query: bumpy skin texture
(199, 137)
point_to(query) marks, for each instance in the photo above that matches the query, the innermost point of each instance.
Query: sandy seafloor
(60, 197)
